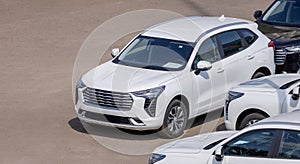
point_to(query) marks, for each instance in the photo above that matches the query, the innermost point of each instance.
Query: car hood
(282, 35)
(120, 78)
(193, 144)
(263, 85)
(271, 83)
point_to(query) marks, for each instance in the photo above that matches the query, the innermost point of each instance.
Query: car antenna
(222, 18)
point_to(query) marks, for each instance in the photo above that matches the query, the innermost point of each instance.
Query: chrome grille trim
(102, 98)
(280, 56)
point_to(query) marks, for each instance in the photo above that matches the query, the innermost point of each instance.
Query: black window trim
(219, 45)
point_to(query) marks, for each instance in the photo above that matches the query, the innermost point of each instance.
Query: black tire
(250, 119)
(258, 75)
(175, 120)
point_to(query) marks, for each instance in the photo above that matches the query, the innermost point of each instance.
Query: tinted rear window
(231, 42)
(249, 36)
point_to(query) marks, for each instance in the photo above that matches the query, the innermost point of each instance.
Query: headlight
(79, 85)
(150, 93)
(150, 96)
(234, 95)
(231, 96)
(293, 48)
(156, 157)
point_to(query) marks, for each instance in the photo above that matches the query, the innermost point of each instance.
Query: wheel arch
(185, 101)
(264, 70)
(247, 112)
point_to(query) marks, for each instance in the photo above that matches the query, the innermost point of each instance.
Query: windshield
(284, 12)
(156, 53)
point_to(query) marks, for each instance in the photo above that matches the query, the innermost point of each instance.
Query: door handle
(220, 70)
(249, 57)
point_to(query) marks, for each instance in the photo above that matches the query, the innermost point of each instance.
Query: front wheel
(258, 75)
(250, 119)
(175, 120)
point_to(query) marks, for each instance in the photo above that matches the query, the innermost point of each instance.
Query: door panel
(237, 60)
(208, 86)
(209, 89)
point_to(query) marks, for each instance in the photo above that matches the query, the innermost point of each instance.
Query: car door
(208, 86)
(291, 101)
(236, 62)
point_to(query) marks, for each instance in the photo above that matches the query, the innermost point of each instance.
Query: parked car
(274, 140)
(173, 72)
(281, 23)
(255, 100)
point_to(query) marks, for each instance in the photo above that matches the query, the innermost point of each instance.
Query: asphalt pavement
(39, 42)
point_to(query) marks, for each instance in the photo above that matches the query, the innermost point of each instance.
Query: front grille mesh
(102, 98)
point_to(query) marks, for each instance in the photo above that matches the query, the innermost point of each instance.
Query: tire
(250, 119)
(258, 75)
(176, 114)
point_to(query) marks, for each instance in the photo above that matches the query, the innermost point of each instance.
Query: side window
(249, 36)
(208, 51)
(290, 145)
(252, 144)
(231, 42)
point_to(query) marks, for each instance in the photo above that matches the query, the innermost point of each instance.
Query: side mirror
(204, 65)
(257, 14)
(218, 154)
(295, 93)
(115, 52)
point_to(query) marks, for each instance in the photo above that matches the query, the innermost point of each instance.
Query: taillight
(271, 44)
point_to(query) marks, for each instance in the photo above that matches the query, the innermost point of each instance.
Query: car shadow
(111, 132)
(211, 116)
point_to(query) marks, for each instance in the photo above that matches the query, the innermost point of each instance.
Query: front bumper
(124, 122)
(229, 124)
(135, 118)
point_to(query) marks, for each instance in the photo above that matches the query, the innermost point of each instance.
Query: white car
(172, 72)
(274, 140)
(257, 99)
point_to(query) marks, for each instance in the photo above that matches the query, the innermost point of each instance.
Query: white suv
(257, 99)
(172, 72)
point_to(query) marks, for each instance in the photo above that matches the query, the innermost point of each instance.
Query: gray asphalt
(39, 41)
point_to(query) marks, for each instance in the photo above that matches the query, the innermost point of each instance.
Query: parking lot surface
(39, 41)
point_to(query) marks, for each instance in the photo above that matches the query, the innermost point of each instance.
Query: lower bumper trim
(110, 118)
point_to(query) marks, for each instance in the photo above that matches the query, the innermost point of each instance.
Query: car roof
(274, 81)
(290, 118)
(190, 28)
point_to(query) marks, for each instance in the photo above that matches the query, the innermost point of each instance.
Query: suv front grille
(102, 98)
(280, 56)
